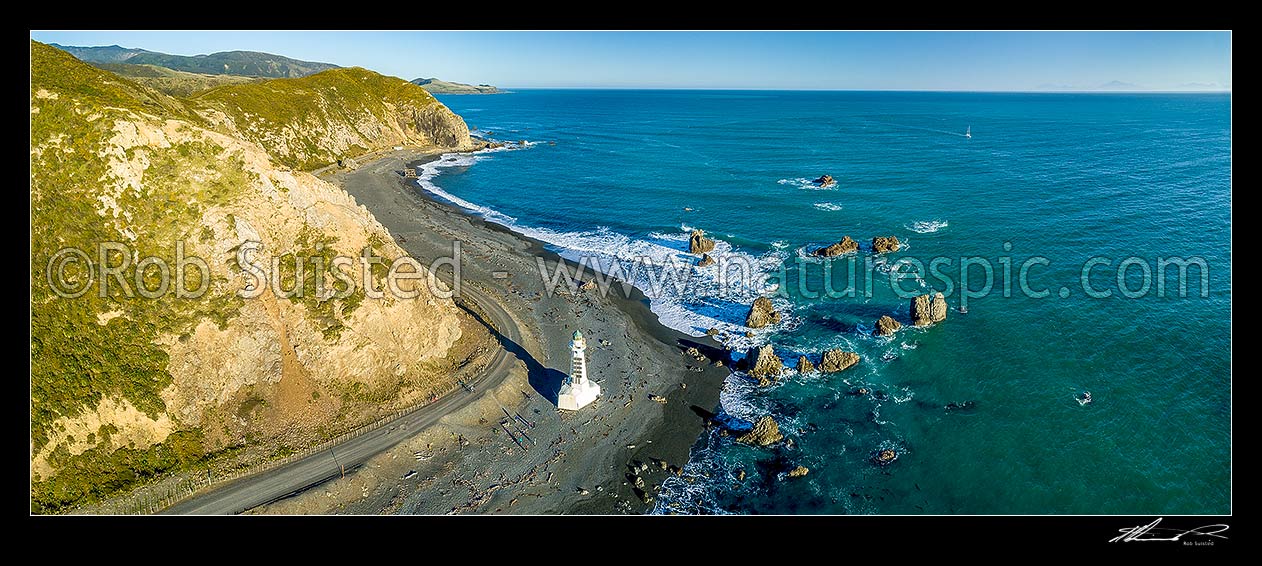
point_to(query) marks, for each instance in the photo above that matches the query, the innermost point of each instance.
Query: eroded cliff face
(124, 387)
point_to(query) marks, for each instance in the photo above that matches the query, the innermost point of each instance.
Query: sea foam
(684, 297)
(927, 226)
(808, 184)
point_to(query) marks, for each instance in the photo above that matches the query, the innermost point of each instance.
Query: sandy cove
(578, 462)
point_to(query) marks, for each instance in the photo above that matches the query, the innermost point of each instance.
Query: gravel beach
(561, 462)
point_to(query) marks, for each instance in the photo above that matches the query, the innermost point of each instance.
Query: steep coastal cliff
(126, 387)
(317, 120)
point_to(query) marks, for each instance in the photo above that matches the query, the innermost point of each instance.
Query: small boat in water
(968, 132)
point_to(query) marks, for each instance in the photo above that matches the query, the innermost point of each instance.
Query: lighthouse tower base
(575, 396)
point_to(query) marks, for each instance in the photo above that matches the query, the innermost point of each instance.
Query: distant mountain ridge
(171, 81)
(437, 86)
(235, 63)
(106, 54)
(242, 63)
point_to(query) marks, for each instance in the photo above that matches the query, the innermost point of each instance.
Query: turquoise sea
(620, 177)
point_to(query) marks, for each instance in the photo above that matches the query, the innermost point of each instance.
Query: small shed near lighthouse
(577, 391)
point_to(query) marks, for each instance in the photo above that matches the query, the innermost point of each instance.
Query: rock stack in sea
(846, 245)
(928, 308)
(761, 313)
(698, 243)
(886, 325)
(837, 360)
(763, 364)
(882, 244)
(706, 261)
(805, 365)
(825, 181)
(884, 457)
(765, 432)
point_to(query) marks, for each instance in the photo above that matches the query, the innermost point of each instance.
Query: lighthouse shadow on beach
(545, 380)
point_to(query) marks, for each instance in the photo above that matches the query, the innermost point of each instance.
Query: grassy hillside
(170, 81)
(319, 119)
(56, 70)
(436, 86)
(243, 63)
(126, 388)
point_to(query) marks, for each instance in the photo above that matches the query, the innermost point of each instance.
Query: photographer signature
(1151, 532)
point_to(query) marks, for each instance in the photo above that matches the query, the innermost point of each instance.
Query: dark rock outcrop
(761, 313)
(837, 360)
(706, 260)
(763, 364)
(698, 243)
(805, 365)
(886, 325)
(928, 309)
(882, 244)
(845, 246)
(765, 432)
(825, 181)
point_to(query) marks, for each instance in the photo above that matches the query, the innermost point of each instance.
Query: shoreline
(588, 453)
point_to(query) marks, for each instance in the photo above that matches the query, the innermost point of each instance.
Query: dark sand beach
(571, 462)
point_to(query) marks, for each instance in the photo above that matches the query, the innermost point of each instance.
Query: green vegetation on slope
(99, 472)
(76, 361)
(294, 119)
(288, 101)
(243, 63)
(57, 71)
(436, 86)
(170, 81)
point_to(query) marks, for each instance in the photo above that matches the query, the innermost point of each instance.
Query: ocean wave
(808, 184)
(684, 297)
(696, 489)
(926, 226)
(829, 206)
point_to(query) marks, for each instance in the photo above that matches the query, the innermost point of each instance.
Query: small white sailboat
(968, 132)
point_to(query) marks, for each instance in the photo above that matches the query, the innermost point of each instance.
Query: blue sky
(787, 60)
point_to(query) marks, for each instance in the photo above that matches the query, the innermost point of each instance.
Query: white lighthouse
(577, 392)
